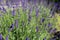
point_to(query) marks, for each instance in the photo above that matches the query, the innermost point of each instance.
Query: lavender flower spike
(0, 36)
(4, 10)
(37, 11)
(13, 12)
(6, 37)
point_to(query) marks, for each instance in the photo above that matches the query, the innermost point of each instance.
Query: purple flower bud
(27, 38)
(37, 29)
(12, 26)
(49, 24)
(42, 20)
(0, 36)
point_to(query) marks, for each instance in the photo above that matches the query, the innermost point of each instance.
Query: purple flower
(11, 27)
(13, 12)
(6, 37)
(42, 20)
(52, 30)
(37, 29)
(37, 11)
(0, 8)
(0, 36)
(23, 3)
(35, 2)
(30, 10)
(7, 2)
(14, 2)
(4, 9)
(27, 38)
(49, 24)
(1, 1)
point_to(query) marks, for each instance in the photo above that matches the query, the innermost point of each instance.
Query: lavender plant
(22, 23)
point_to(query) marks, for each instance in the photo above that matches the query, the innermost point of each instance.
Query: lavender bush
(31, 22)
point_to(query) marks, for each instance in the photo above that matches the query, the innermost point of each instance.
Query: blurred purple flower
(37, 29)
(14, 2)
(1, 1)
(6, 37)
(13, 12)
(11, 27)
(0, 8)
(52, 30)
(23, 3)
(27, 38)
(37, 11)
(30, 10)
(42, 20)
(35, 1)
(4, 10)
(49, 24)
(0, 36)
(7, 2)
